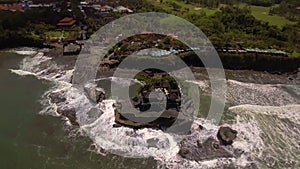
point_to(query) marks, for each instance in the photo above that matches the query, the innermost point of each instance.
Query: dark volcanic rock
(94, 93)
(201, 127)
(226, 135)
(69, 112)
(116, 125)
(100, 97)
(57, 97)
(207, 150)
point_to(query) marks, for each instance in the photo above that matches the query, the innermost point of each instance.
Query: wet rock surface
(209, 149)
(56, 97)
(158, 103)
(63, 108)
(226, 135)
(68, 111)
(94, 93)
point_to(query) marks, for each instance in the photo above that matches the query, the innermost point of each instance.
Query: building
(66, 23)
(11, 7)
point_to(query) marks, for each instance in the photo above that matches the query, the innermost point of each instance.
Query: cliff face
(250, 62)
(18, 41)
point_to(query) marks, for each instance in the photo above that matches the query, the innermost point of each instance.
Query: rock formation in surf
(211, 148)
(226, 135)
(150, 96)
(193, 149)
(63, 108)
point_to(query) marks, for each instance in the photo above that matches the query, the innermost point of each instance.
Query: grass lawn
(262, 13)
(57, 34)
(296, 54)
(259, 12)
(53, 33)
(185, 8)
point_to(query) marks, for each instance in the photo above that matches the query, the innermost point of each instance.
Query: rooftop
(67, 21)
(13, 7)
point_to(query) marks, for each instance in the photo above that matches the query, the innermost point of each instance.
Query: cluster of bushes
(288, 9)
(249, 61)
(25, 28)
(216, 3)
(233, 24)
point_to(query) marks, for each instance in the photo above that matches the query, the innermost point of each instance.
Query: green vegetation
(196, 7)
(152, 80)
(236, 24)
(288, 9)
(250, 61)
(296, 54)
(36, 26)
(180, 8)
(263, 13)
(56, 34)
(26, 28)
(227, 23)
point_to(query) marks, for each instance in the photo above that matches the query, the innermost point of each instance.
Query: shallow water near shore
(256, 101)
(31, 140)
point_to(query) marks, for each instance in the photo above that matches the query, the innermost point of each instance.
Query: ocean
(264, 108)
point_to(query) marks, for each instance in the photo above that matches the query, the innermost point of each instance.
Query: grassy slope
(192, 7)
(261, 13)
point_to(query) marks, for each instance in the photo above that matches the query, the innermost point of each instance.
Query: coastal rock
(69, 112)
(95, 93)
(116, 125)
(57, 97)
(207, 150)
(100, 94)
(226, 135)
(93, 114)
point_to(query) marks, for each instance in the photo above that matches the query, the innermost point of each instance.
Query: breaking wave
(267, 128)
(275, 131)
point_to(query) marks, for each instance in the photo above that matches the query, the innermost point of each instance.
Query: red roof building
(11, 7)
(67, 21)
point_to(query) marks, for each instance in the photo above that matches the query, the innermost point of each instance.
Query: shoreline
(70, 101)
(272, 64)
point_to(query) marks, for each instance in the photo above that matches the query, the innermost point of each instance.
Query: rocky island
(191, 147)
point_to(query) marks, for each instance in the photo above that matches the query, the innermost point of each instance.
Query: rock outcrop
(94, 93)
(226, 135)
(69, 112)
(158, 103)
(63, 108)
(193, 149)
(57, 97)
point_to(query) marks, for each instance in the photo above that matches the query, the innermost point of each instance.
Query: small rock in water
(226, 135)
(207, 150)
(92, 147)
(116, 125)
(201, 127)
(152, 142)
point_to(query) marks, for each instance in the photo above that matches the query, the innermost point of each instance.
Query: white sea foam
(31, 65)
(240, 93)
(25, 51)
(22, 72)
(123, 141)
(253, 123)
(291, 112)
(272, 134)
